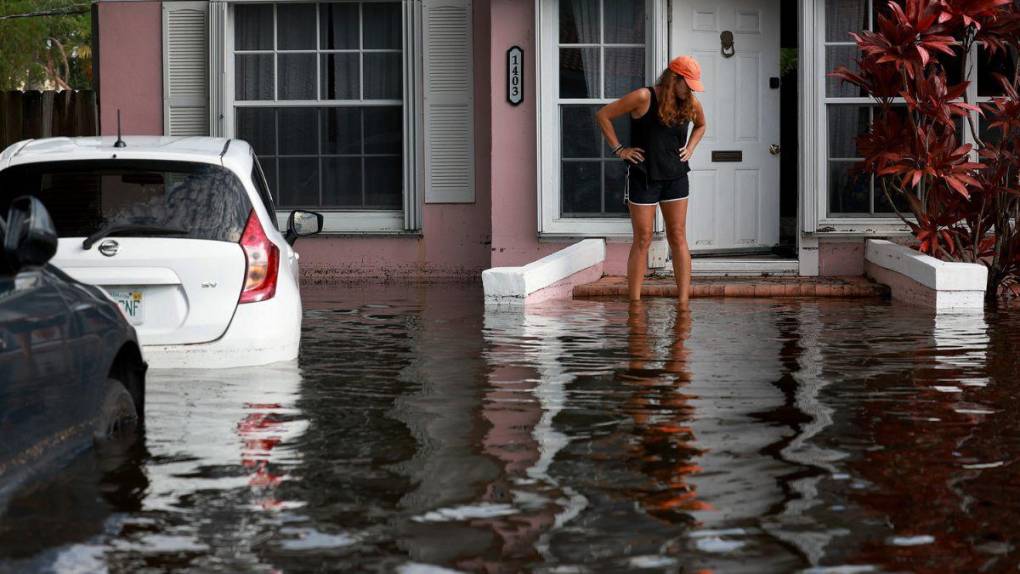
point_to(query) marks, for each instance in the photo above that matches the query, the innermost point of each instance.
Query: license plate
(131, 301)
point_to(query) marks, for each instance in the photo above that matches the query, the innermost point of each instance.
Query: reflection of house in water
(227, 451)
(734, 368)
(910, 439)
(940, 465)
(635, 423)
(526, 390)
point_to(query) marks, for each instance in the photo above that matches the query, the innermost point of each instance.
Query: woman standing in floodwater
(657, 166)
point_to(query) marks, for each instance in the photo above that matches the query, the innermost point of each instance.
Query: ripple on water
(420, 432)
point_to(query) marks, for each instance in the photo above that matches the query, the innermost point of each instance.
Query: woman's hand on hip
(632, 154)
(685, 153)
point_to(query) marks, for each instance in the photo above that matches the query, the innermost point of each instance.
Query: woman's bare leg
(675, 214)
(642, 218)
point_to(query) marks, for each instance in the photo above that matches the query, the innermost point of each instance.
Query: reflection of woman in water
(659, 410)
(657, 164)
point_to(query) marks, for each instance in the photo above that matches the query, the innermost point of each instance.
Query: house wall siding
(131, 67)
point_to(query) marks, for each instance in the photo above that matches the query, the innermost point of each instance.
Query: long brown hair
(672, 110)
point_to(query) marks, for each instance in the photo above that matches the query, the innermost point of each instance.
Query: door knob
(774, 149)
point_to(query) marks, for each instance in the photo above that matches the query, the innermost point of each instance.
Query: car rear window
(207, 201)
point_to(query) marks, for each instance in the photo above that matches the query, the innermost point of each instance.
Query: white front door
(734, 201)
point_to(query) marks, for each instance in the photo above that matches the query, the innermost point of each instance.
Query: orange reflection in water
(662, 441)
(261, 430)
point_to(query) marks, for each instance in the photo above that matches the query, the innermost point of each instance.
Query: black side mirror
(31, 239)
(302, 224)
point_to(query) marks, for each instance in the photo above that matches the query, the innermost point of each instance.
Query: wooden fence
(25, 115)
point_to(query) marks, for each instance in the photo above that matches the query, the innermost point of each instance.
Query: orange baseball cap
(689, 68)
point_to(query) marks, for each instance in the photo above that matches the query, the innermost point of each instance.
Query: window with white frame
(849, 112)
(600, 50)
(318, 91)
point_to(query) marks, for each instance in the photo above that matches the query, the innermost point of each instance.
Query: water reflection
(663, 440)
(423, 431)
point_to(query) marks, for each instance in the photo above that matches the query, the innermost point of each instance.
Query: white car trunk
(174, 290)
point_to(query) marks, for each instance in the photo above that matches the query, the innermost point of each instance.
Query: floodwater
(422, 433)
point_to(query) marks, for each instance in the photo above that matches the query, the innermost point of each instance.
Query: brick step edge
(857, 290)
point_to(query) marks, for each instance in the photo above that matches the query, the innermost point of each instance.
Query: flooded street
(419, 431)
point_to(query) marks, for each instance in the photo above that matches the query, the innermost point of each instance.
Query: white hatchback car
(181, 232)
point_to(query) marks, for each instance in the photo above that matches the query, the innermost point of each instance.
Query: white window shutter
(186, 68)
(448, 101)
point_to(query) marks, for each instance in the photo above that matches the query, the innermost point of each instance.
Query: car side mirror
(302, 224)
(31, 239)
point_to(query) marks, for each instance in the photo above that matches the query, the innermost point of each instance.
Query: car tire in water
(118, 416)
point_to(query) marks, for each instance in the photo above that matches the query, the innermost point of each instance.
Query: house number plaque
(515, 75)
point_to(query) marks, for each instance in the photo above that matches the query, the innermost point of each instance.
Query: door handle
(774, 149)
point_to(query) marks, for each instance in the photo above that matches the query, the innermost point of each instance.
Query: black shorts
(643, 191)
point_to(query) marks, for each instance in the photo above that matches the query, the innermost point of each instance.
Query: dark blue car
(71, 371)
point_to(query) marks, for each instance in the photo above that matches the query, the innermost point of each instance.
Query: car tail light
(262, 262)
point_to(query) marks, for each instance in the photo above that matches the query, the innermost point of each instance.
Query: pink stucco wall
(455, 238)
(841, 257)
(514, 159)
(131, 67)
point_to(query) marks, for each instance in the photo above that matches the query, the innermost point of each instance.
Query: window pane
(1003, 63)
(615, 174)
(341, 131)
(622, 127)
(625, 70)
(253, 77)
(882, 204)
(579, 21)
(340, 77)
(384, 130)
(987, 134)
(843, 17)
(625, 22)
(257, 126)
(341, 183)
(264, 195)
(580, 135)
(581, 187)
(382, 77)
(953, 66)
(299, 131)
(841, 56)
(297, 77)
(845, 124)
(269, 170)
(382, 25)
(579, 72)
(299, 182)
(253, 27)
(338, 27)
(295, 26)
(384, 182)
(848, 193)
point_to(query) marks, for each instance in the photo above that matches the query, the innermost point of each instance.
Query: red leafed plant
(961, 200)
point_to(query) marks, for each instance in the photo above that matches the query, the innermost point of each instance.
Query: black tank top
(660, 142)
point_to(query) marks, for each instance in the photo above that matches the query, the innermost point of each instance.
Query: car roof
(200, 149)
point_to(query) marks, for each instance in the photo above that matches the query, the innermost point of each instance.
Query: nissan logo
(109, 247)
